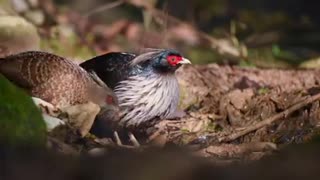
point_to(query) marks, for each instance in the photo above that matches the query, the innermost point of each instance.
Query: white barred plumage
(144, 97)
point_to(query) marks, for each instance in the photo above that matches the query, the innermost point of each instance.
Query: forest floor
(232, 113)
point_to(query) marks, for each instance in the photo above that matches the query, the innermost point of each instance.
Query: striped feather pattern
(52, 78)
(144, 97)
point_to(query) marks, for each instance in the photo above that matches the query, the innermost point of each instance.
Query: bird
(145, 83)
(62, 83)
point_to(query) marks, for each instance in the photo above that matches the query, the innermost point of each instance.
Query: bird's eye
(109, 99)
(173, 60)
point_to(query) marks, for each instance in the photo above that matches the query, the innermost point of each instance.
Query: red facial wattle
(173, 60)
(109, 99)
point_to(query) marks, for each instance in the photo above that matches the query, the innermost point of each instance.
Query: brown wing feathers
(47, 76)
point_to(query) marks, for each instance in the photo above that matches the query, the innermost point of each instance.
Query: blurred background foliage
(264, 33)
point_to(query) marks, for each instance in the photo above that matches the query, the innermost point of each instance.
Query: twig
(104, 8)
(270, 120)
(155, 134)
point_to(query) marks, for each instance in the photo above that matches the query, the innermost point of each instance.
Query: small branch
(270, 120)
(104, 8)
(155, 134)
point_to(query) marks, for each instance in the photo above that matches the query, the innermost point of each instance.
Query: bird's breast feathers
(144, 97)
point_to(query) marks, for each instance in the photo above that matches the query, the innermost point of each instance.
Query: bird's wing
(31, 69)
(111, 67)
(11, 69)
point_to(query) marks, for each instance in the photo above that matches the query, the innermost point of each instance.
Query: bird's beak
(185, 61)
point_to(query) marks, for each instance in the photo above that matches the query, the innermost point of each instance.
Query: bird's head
(108, 118)
(110, 110)
(161, 60)
(102, 95)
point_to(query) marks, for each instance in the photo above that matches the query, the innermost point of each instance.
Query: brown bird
(62, 83)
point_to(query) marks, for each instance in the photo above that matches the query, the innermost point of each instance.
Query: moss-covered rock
(17, 35)
(20, 120)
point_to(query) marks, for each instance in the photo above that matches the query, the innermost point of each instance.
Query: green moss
(263, 91)
(21, 122)
(264, 57)
(213, 127)
(312, 63)
(246, 63)
(184, 131)
(203, 56)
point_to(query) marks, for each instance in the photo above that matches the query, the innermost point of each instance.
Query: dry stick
(104, 8)
(155, 134)
(271, 119)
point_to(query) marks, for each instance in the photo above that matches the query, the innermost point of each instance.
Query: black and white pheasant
(145, 84)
